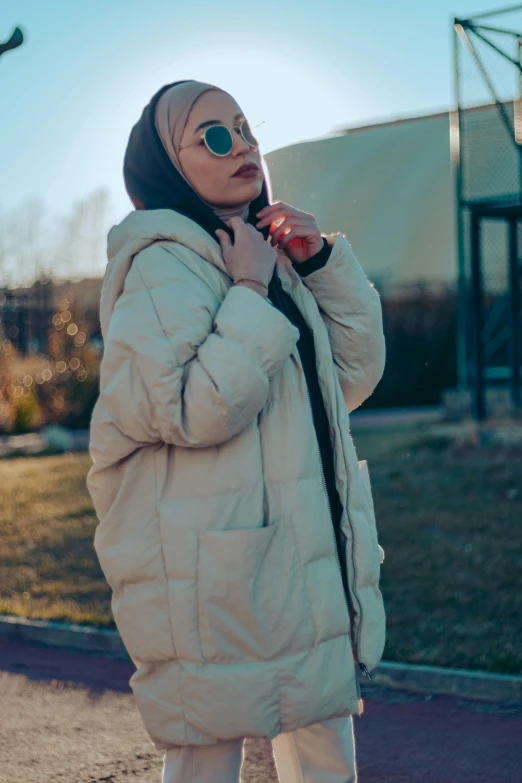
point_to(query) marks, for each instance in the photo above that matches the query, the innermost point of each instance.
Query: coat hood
(138, 230)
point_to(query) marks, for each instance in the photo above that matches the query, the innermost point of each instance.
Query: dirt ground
(70, 718)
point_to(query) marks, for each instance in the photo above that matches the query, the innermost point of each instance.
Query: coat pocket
(252, 599)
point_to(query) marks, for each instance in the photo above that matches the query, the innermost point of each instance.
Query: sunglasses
(219, 139)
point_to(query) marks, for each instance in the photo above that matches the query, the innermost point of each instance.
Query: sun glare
(289, 100)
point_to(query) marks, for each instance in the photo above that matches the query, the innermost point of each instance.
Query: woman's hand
(250, 256)
(298, 233)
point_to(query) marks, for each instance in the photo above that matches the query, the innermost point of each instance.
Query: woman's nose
(240, 144)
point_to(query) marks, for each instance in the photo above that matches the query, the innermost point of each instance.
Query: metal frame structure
(475, 342)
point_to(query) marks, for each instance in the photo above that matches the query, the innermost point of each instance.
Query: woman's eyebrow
(213, 122)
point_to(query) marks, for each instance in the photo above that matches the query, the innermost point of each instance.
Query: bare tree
(35, 245)
(24, 243)
(81, 237)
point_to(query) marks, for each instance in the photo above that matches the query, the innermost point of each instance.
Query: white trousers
(321, 753)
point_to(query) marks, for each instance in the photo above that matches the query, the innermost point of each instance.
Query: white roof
(389, 188)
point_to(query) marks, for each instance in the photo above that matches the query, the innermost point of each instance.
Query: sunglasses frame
(234, 127)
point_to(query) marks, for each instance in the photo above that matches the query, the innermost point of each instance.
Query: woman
(236, 524)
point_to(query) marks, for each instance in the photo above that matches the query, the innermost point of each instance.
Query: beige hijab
(171, 115)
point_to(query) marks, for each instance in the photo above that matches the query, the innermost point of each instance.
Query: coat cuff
(342, 286)
(315, 262)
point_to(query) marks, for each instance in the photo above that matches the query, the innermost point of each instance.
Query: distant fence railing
(419, 325)
(26, 317)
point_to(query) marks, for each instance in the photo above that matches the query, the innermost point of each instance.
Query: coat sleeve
(351, 310)
(182, 367)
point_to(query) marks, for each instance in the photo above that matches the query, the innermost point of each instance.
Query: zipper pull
(362, 667)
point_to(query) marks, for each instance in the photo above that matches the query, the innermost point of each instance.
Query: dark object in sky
(16, 39)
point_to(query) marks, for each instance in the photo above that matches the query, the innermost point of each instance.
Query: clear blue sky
(70, 95)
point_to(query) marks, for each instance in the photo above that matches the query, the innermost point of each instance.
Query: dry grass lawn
(450, 522)
(48, 567)
(449, 519)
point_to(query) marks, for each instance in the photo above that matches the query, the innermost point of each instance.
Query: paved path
(70, 718)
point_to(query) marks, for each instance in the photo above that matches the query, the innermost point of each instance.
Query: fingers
(223, 238)
(235, 222)
(277, 206)
(239, 225)
(301, 232)
(279, 210)
(290, 223)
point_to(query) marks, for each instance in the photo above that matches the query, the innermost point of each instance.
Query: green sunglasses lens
(219, 139)
(248, 135)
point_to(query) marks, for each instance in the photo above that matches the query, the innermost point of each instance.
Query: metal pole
(505, 10)
(456, 157)
(478, 319)
(22, 328)
(517, 112)
(514, 269)
(514, 312)
(498, 30)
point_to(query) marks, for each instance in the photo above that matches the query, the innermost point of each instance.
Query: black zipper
(362, 665)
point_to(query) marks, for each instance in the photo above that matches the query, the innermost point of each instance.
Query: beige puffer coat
(214, 527)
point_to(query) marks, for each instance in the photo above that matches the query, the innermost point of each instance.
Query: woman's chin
(248, 188)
